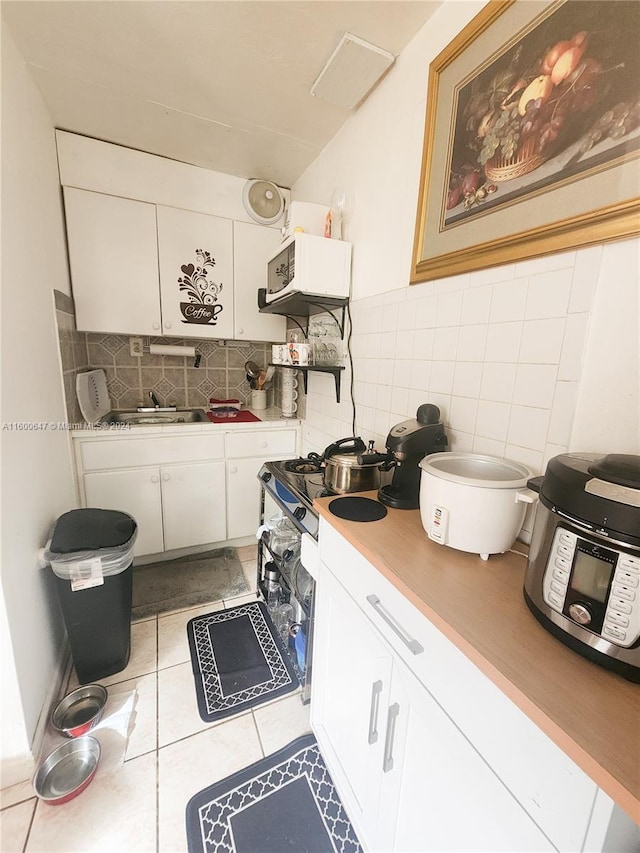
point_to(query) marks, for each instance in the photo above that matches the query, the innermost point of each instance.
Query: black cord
(353, 402)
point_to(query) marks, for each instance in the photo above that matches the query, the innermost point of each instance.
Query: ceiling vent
(353, 69)
(263, 201)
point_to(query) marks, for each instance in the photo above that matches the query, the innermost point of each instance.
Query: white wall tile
(535, 266)
(503, 342)
(562, 413)
(402, 369)
(467, 379)
(492, 420)
(531, 458)
(570, 367)
(488, 446)
(390, 317)
(387, 345)
(419, 373)
(489, 276)
(385, 371)
(423, 343)
(442, 377)
(528, 427)
(585, 278)
(548, 294)
(404, 343)
(443, 402)
(461, 442)
(497, 382)
(541, 341)
(508, 300)
(463, 413)
(476, 305)
(445, 344)
(423, 312)
(535, 385)
(400, 402)
(472, 341)
(448, 309)
(383, 398)
(406, 315)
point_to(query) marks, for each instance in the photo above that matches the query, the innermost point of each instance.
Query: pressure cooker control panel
(595, 587)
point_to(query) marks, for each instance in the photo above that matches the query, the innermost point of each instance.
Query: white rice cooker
(472, 502)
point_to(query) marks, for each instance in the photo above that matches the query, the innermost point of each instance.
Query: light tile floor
(171, 753)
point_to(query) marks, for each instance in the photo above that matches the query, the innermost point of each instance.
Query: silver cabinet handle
(376, 690)
(394, 711)
(413, 645)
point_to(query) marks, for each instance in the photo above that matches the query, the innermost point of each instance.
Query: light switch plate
(135, 347)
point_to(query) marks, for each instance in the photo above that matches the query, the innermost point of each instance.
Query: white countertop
(272, 418)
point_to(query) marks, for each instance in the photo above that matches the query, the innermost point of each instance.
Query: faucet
(154, 399)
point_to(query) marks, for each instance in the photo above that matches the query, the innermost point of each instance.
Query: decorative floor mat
(186, 582)
(286, 801)
(238, 661)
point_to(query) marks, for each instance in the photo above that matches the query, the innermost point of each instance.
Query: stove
(294, 484)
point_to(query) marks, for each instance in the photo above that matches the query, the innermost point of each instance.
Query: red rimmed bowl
(67, 771)
(80, 710)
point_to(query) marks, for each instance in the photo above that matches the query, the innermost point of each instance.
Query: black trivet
(238, 661)
(358, 509)
(286, 801)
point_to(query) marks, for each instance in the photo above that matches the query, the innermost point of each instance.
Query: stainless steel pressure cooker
(582, 581)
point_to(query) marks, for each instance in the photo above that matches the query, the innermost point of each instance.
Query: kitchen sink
(156, 418)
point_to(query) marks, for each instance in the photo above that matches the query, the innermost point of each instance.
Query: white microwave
(314, 266)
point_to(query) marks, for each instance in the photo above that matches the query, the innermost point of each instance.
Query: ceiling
(222, 84)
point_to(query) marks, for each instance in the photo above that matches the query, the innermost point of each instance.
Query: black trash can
(91, 554)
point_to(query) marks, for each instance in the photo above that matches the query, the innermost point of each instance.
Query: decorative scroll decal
(202, 292)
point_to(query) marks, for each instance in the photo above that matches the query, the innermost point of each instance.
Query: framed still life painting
(532, 137)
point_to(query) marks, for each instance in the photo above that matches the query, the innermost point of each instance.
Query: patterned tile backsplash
(173, 379)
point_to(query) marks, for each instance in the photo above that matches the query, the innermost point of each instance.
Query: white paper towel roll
(161, 349)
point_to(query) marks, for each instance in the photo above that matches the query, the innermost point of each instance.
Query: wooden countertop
(592, 714)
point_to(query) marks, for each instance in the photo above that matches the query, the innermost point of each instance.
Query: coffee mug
(279, 353)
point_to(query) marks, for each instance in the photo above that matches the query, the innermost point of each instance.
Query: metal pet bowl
(67, 770)
(80, 710)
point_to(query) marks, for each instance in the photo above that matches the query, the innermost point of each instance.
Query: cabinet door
(437, 790)
(243, 497)
(351, 682)
(113, 256)
(193, 504)
(252, 245)
(136, 491)
(196, 274)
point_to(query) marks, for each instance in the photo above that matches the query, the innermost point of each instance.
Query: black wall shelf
(306, 369)
(304, 305)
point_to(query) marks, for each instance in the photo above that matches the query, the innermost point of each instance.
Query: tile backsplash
(173, 379)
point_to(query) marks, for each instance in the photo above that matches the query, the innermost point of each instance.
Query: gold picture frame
(496, 185)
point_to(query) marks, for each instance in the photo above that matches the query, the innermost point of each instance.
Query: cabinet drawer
(135, 452)
(275, 442)
(548, 784)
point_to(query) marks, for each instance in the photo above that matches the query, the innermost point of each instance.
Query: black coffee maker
(408, 443)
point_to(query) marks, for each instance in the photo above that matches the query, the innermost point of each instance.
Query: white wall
(506, 353)
(37, 479)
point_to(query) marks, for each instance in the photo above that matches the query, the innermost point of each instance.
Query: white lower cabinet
(175, 506)
(409, 779)
(193, 504)
(184, 490)
(136, 491)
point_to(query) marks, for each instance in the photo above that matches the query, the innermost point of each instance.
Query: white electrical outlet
(135, 347)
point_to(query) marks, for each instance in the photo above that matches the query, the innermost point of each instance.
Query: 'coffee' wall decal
(203, 306)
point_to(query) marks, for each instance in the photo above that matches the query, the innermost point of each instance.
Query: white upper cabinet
(113, 257)
(196, 274)
(252, 245)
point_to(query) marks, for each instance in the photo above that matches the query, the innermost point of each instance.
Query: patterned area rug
(286, 801)
(187, 582)
(238, 661)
